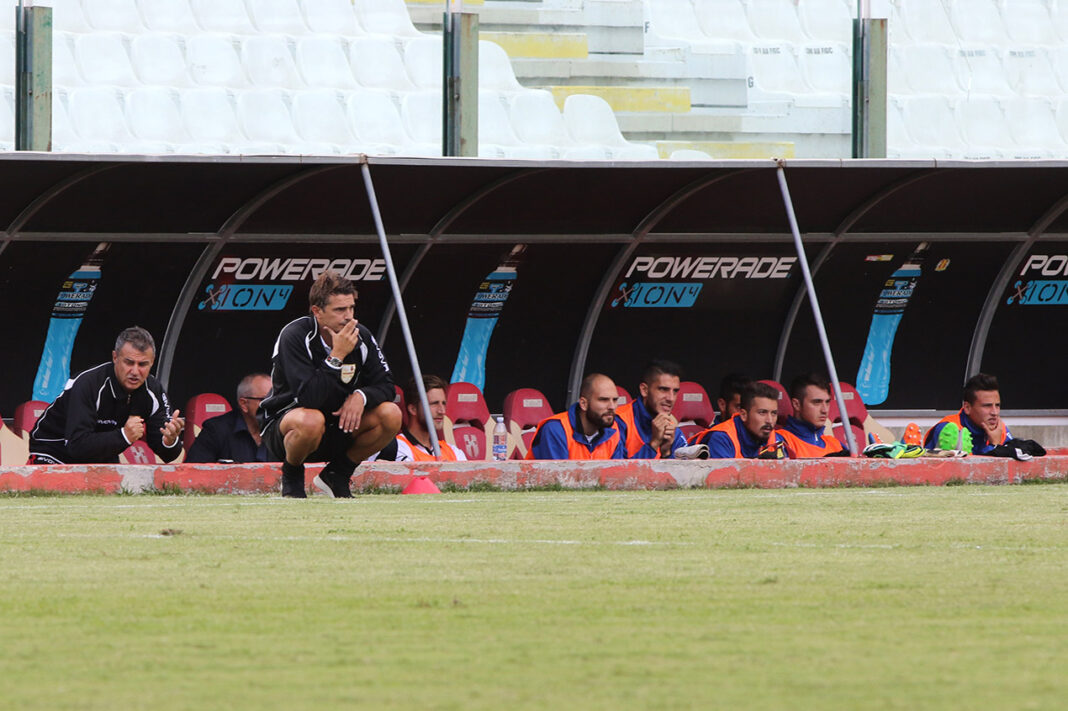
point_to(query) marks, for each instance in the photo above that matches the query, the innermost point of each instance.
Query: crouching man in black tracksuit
(332, 395)
(105, 409)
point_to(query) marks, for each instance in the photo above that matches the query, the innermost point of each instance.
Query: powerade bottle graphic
(482, 319)
(873, 378)
(53, 372)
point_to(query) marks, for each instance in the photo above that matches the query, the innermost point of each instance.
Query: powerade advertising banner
(900, 318)
(1032, 317)
(66, 302)
(714, 309)
(251, 291)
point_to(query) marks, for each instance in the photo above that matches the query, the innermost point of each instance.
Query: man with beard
(804, 432)
(587, 430)
(648, 428)
(413, 442)
(751, 433)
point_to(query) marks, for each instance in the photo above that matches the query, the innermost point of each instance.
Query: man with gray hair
(235, 435)
(105, 409)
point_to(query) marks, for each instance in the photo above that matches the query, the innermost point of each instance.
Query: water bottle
(500, 441)
(70, 306)
(482, 318)
(873, 377)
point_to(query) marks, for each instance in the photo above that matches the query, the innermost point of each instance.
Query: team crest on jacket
(348, 372)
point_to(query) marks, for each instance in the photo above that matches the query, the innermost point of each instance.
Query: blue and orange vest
(634, 440)
(576, 450)
(798, 448)
(956, 418)
(421, 455)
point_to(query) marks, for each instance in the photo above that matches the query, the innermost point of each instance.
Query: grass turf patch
(849, 598)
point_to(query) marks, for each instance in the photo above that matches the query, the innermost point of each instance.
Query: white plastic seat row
(295, 17)
(960, 71)
(807, 75)
(707, 24)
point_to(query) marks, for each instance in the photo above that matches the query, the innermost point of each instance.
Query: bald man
(587, 430)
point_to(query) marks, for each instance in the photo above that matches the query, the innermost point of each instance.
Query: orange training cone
(421, 485)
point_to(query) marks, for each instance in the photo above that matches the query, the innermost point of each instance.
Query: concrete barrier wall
(626, 475)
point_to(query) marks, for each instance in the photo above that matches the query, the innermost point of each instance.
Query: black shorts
(332, 446)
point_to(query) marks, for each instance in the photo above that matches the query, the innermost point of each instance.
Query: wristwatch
(333, 362)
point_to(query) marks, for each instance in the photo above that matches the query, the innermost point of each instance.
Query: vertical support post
(460, 84)
(816, 314)
(877, 58)
(33, 78)
(861, 87)
(402, 315)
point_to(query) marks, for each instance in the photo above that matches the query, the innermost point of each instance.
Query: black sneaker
(333, 483)
(293, 486)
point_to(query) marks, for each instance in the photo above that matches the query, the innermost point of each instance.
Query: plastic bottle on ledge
(500, 441)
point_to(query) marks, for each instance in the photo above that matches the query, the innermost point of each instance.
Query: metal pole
(402, 315)
(832, 371)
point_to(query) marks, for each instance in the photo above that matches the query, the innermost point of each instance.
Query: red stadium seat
(624, 396)
(14, 450)
(26, 416)
(467, 420)
(693, 409)
(199, 408)
(858, 435)
(523, 410)
(139, 453)
(855, 410)
(786, 409)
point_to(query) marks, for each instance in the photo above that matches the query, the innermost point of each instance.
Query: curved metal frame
(993, 297)
(839, 234)
(211, 251)
(593, 313)
(39, 202)
(435, 233)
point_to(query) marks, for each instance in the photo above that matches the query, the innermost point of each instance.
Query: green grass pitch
(896, 598)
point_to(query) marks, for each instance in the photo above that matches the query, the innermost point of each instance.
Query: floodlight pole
(402, 315)
(814, 302)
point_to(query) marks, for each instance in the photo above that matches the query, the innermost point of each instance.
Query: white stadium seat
(494, 128)
(495, 68)
(827, 68)
(268, 62)
(1059, 14)
(774, 71)
(67, 16)
(896, 79)
(724, 20)
(7, 119)
(158, 59)
(153, 115)
(590, 120)
(113, 15)
(64, 139)
(64, 68)
(423, 61)
(331, 17)
(983, 126)
(7, 20)
(537, 120)
(674, 22)
(386, 17)
(282, 16)
(981, 72)
(930, 122)
(97, 114)
(1028, 22)
(374, 118)
(319, 117)
(930, 69)
(1032, 123)
(926, 21)
(168, 16)
(827, 20)
(421, 111)
(103, 59)
(264, 117)
(209, 116)
(7, 58)
(223, 16)
(978, 22)
(321, 62)
(213, 61)
(1030, 73)
(377, 64)
(773, 20)
(1058, 57)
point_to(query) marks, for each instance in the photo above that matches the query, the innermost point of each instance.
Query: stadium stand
(726, 78)
(468, 424)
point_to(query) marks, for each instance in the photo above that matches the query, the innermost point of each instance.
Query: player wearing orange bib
(413, 442)
(804, 432)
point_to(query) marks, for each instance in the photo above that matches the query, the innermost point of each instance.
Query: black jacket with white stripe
(84, 424)
(301, 377)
